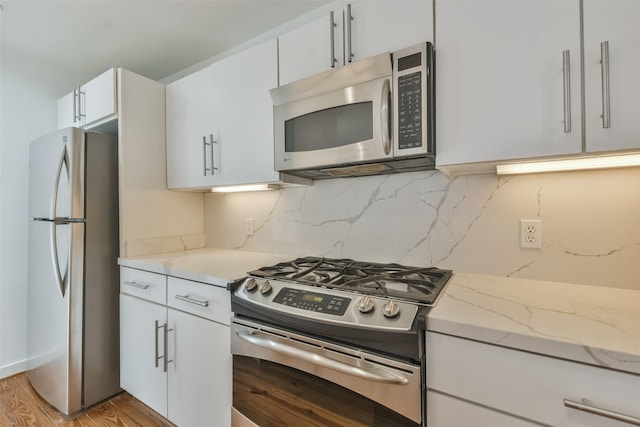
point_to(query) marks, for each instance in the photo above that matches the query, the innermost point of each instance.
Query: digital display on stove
(312, 301)
(313, 297)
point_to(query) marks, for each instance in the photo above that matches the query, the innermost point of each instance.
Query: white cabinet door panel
(243, 113)
(306, 50)
(98, 97)
(200, 374)
(189, 119)
(67, 111)
(138, 345)
(616, 22)
(385, 26)
(500, 92)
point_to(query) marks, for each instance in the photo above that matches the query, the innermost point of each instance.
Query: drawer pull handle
(586, 407)
(136, 285)
(187, 298)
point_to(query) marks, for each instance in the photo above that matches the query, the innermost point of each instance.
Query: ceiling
(155, 38)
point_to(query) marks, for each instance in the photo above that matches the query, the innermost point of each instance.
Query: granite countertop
(590, 324)
(207, 265)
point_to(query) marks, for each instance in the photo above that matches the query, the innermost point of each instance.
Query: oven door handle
(373, 373)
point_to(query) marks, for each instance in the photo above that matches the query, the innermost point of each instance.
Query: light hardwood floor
(20, 406)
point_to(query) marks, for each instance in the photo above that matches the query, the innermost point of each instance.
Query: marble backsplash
(590, 223)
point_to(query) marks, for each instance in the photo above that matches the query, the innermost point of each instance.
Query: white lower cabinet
(138, 372)
(483, 380)
(175, 351)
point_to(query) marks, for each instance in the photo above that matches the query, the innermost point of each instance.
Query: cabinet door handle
(606, 94)
(136, 285)
(332, 39)
(166, 348)
(76, 106)
(205, 169)
(187, 298)
(82, 107)
(158, 357)
(204, 156)
(348, 25)
(585, 406)
(566, 80)
(213, 141)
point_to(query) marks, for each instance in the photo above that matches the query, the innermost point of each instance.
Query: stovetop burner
(415, 284)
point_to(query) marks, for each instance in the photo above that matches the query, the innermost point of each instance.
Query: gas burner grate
(420, 285)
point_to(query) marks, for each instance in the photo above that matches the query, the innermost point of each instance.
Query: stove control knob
(265, 287)
(365, 305)
(251, 285)
(391, 309)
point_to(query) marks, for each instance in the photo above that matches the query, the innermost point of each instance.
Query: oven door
(284, 379)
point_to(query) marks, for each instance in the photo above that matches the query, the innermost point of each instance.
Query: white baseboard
(12, 369)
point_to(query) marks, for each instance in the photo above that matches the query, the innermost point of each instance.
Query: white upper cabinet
(612, 23)
(385, 26)
(311, 48)
(91, 104)
(334, 39)
(501, 90)
(190, 127)
(220, 122)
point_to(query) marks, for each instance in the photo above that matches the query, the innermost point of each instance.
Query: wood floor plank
(21, 406)
(138, 411)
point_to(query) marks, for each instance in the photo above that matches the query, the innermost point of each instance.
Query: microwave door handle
(385, 117)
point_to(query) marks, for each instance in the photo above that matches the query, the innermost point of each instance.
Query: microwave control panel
(412, 87)
(410, 110)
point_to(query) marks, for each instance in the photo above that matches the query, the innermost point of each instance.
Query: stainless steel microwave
(370, 117)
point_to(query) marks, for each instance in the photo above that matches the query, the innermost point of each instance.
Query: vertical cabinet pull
(566, 81)
(348, 37)
(76, 106)
(205, 169)
(82, 107)
(585, 406)
(166, 348)
(332, 39)
(158, 357)
(204, 156)
(606, 94)
(212, 141)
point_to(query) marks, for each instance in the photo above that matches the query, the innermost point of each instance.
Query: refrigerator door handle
(63, 164)
(60, 278)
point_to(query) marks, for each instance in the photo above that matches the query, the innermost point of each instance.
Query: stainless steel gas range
(326, 342)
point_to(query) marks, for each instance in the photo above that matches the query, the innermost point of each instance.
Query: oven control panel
(327, 305)
(312, 301)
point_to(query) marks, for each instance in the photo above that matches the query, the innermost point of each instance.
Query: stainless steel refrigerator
(73, 276)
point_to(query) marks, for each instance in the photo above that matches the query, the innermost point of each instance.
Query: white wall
(29, 90)
(591, 223)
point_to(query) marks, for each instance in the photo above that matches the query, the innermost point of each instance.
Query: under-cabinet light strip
(240, 188)
(583, 163)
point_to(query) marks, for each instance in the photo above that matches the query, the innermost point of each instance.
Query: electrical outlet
(531, 233)
(249, 226)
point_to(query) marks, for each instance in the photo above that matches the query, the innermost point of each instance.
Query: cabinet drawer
(528, 385)
(208, 301)
(143, 284)
(447, 411)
